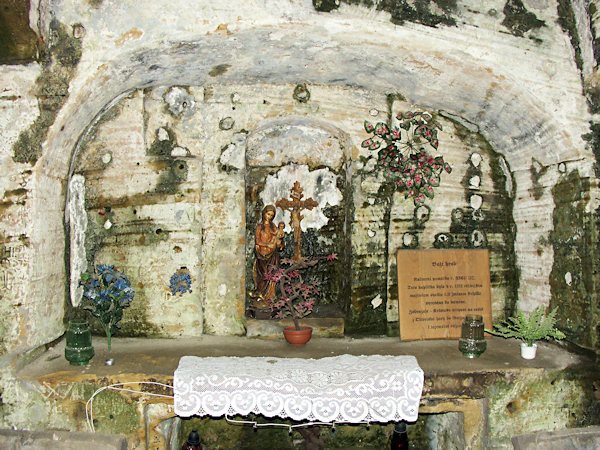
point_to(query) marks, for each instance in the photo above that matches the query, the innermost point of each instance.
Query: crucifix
(295, 206)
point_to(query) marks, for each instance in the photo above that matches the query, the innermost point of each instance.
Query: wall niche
(313, 154)
(173, 179)
(141, 187)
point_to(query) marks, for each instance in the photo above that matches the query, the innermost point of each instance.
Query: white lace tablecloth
(343, 388)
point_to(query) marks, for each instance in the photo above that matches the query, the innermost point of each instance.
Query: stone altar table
(342, 389)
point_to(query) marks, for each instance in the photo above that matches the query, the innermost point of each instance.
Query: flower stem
(108, 335)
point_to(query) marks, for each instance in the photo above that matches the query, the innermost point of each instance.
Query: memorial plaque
(438, 288)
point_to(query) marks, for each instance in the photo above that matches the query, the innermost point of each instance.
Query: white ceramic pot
(528, 351)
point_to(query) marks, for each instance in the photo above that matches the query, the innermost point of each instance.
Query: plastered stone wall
(513, 75)
(177, 178)
(142, 201)
(18, 110)
(516, 82)
(472, 209)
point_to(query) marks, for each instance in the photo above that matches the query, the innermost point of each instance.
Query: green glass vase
(78, 346)
(472, 340)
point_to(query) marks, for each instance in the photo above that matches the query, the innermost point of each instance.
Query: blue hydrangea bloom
(106, 292)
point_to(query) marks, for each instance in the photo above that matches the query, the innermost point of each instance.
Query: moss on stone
(18, 42)
(220, 434)
(52, 91)
(568, 23)
(518, 19)
(426, 12)
(497, 220)
(326, 5)
(114, 412)
(593, 138)
(169, 179)
(536, 170)
(162, 147)
(593, 11)
(219, 69)
(420, 11)
(369, 275)
(357, 436)
(135, 321)
(363, 319)
(565, 397)
(393, 329)
(573, 239)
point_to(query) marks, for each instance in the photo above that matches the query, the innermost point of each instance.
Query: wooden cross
(295, 206)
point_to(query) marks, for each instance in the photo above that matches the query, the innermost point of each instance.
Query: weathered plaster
(78, 225)
(320, 185)
(250, 42)
(18, 110)
(296, 140)
(147, 227)
(212, 100)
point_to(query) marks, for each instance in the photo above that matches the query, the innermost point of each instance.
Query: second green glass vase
(78, 346)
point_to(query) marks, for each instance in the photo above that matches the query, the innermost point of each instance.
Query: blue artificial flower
(180, 283)
(121, 284)
(101, 268)
(107, 293)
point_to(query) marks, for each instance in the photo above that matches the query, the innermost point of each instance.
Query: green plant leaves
(532, 328)
(371, 144)
(403, 158)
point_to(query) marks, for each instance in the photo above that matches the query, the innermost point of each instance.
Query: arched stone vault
(390, 62)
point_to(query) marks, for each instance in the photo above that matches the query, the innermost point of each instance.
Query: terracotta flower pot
(297, 337)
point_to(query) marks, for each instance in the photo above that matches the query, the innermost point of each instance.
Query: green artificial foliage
(530, 329)
(402, 153)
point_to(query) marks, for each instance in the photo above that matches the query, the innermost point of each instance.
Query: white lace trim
(345, 388)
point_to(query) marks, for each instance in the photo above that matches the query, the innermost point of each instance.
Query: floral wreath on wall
(180, 282)
(403, 156)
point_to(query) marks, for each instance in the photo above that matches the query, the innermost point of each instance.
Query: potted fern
(529, 329)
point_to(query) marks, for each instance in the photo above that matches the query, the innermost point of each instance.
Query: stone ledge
(572, 438)
(60, 440)
(158, 358)
(330, 327)
(452, 383)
